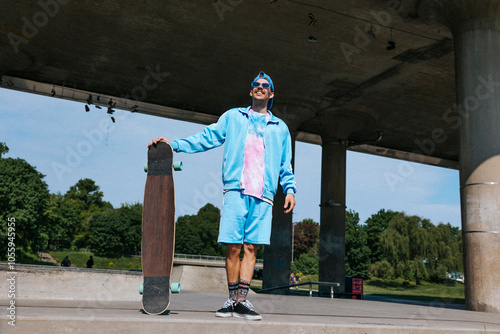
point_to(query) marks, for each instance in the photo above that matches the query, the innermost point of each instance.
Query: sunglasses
(258, 84)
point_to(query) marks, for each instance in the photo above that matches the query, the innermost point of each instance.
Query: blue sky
(66, 144)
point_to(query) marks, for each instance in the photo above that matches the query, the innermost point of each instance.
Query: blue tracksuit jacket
(231, 129)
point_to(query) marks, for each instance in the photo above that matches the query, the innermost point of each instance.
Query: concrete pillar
(476, 32)
(278, 255)
(332, 227)
(477, 50)
(335, 126)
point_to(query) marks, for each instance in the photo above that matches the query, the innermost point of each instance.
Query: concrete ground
(193, 311)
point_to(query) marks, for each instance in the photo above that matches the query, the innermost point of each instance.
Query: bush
(382, 269)
(306, 264)
(107, 232)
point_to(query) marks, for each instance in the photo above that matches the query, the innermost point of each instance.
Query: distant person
(66, 262)
(90, 262)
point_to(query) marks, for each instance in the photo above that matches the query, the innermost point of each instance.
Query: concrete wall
(57, 283)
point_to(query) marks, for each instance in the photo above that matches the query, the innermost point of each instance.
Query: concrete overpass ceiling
(201, 56)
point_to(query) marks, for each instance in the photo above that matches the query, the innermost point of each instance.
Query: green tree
(382, 269)
(357, 253)
(416, 249)
(3, 149)
(306, 264)
(305, 236)
(24, 197)
(444, 253)
(116, 232)
(107, 234)
(197, 234)
(187, 238)
(374, 226)
(130, 215)
(88, 198)
(395, 242)
(64, 222)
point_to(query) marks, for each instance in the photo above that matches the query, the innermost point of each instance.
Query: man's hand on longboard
(156, 141)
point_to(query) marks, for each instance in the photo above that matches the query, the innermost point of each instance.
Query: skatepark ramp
(36, 282)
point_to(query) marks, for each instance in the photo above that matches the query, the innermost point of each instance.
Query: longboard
(158, 230)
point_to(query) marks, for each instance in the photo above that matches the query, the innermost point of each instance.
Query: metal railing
(207, 258)
(330, 284)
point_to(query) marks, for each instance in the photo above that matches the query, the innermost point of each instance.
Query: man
(257, 152)
(90, 262)
(66, 262)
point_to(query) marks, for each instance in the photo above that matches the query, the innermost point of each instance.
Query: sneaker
(245, 310)
(227, 310)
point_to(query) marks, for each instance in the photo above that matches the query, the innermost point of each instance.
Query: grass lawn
(409, 290)
(399, 288)
(79, 259)
(33, 259)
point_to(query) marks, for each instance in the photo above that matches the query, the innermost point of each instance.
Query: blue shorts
(245, 219)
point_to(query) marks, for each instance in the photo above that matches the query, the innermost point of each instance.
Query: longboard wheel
(175, 287)
(177, 165)
(146, 167)
(141, 288)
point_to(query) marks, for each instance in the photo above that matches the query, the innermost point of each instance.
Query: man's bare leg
(248, 263)
(233, 274)
(240, 272)
(246, 271)
(233, 262)
(243, 308)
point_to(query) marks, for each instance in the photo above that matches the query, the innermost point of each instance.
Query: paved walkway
(192, 312)
(46, 257)
(74, 300)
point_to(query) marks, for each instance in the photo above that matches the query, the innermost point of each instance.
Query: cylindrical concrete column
(475, 26)
(278, 255)
(477, 50)
(332, 228)
(335, 126)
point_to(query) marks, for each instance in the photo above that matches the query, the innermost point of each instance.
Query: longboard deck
(158, 229)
